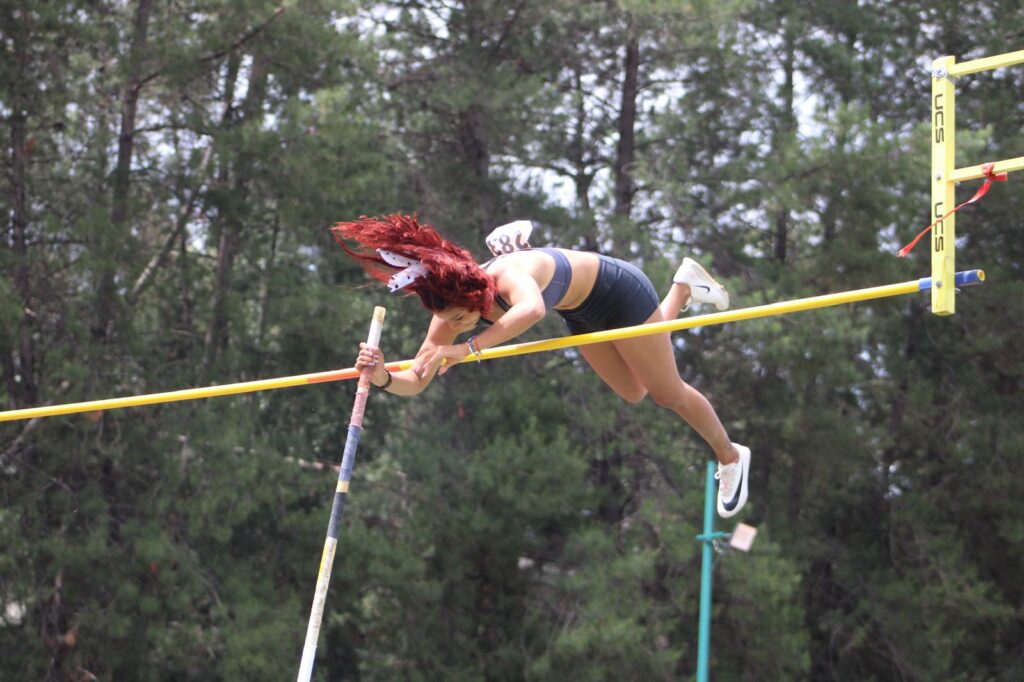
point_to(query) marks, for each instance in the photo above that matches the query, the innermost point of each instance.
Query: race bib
(511, 237)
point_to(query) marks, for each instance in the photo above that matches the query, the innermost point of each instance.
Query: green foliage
(517, 520)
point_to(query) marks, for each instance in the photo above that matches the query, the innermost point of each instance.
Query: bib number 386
(511, 237)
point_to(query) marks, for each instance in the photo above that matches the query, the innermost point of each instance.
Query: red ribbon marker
(990, 175)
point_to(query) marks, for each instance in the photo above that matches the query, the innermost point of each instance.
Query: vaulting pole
(966, 278)
(355, 427)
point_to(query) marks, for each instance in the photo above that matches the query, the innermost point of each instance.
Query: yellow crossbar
(988, 63)
(975, 172)
(770, 310)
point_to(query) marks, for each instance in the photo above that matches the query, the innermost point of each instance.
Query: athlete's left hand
(442, 358)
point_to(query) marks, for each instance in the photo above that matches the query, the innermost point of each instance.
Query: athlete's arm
(527, 308)
(410, 381)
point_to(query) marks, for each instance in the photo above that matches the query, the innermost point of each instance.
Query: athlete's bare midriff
(541, 267)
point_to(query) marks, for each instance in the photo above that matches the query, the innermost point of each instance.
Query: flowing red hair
(453, 276)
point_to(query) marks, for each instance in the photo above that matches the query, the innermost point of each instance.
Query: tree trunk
(145, 278)
(582, 177)
(268, 272)
(106, 293)
(781, 234)
(845, 87)
(625, 153)
(19, 364)
(784, 140)
(218, 333)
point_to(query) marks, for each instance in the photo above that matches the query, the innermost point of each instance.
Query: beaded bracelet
(388, 382)
(473, 348)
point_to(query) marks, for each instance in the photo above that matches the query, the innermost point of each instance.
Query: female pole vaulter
(513, 291)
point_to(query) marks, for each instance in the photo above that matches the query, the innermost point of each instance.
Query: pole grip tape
(348, 459)
(337, 509)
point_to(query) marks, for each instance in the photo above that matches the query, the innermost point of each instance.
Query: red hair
(453, 276)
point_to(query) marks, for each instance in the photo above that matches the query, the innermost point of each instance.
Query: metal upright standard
(707, 558)
(348, 459)
(945, 174)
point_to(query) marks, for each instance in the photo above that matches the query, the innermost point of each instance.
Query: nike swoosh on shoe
(729, 506)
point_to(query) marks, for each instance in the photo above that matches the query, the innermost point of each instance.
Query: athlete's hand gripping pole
(355, 427)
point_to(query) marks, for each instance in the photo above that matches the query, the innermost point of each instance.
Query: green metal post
(707, 557)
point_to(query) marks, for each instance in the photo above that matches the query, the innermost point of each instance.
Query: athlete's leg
(677, 297)
(614, 371)
(700, 285)
(653, 365)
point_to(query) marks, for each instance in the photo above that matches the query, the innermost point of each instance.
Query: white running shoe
(703, 287)
(732, 483)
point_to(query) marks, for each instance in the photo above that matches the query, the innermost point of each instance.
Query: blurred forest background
(170, 169)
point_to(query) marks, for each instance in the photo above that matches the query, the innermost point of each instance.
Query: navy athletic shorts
(622, 296)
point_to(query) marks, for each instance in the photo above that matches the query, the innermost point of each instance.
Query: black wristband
(388, 382)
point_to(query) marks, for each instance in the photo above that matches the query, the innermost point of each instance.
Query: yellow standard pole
(943, 186)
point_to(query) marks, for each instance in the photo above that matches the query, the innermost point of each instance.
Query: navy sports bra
(554, 292)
